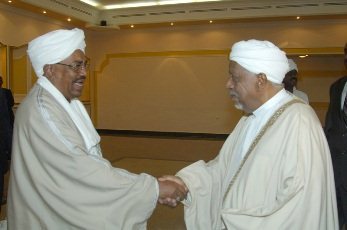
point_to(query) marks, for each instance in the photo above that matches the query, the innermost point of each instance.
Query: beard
(238, 106)
(235, 98)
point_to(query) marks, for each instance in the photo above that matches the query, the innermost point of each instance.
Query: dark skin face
(245, 87)
(290, 80)
(248, 90)
(68, 81)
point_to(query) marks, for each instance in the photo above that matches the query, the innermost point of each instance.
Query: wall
(21, 27)
(173, 79)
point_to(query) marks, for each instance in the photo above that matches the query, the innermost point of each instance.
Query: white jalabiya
(286, 183)
(55, 183)
(300, 94)
(78, 114)
(59, 179)
(261, 57)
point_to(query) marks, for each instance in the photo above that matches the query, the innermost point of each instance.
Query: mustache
(233, 94)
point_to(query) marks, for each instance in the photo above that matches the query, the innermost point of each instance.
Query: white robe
(286, 183)
(301, 95)
(56, 184)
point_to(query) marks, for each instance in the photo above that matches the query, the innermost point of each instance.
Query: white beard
(237, 103)
(238, 106)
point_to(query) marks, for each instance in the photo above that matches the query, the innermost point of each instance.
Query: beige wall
(173, 79)
(18, 27)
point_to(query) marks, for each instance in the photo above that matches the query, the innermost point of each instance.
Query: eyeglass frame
(76, 66)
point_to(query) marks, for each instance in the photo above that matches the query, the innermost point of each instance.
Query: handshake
(172, 189)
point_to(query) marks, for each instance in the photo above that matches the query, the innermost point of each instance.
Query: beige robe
(286, 183)
(55, 184)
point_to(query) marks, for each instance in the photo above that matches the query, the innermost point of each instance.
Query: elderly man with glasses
(59, 179)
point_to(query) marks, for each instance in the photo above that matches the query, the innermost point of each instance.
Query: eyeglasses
(77, 66)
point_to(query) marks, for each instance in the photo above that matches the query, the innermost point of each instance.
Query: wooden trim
(221, 52)
(106, 61)
(158, 134)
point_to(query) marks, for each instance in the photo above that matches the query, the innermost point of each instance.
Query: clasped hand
(172, 189)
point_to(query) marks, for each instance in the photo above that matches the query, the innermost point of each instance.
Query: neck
(269, 93)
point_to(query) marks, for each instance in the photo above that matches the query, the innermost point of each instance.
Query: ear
(48, 71)
(261, 80)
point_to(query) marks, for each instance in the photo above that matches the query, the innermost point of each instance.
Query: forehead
(237, 69)
(234, 67)
(76, 55)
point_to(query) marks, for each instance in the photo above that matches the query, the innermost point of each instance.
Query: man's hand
(171, 190)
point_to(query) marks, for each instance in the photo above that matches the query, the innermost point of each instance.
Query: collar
(272, 103)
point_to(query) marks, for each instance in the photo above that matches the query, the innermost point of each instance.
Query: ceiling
(114, 4)
(97, 14)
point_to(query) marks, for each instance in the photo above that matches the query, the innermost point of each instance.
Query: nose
(83, 70)
(230, 84)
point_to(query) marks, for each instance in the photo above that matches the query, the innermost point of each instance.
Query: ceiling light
(154, 3)
(45, 12)
(90, 2)
(132, 26)
(211, 21)
(130, 5)
(298, 17)
(303, 56)
(172, 23)
(9, 1)
(168, 2)
(69, 19)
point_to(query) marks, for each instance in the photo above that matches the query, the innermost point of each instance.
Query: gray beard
(238, 106)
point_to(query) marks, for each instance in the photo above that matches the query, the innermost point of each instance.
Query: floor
(163, 218)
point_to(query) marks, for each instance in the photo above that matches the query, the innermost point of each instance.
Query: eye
(235, 78)
(76, 65)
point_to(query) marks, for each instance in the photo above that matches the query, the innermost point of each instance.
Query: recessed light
(298, 17)
(69, 19)
(132, 26)
(172, 23)
(211, 21)
(45, 12)
(9, 1)
(303, 56)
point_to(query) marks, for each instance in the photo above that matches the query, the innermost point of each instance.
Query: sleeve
(206, 184)
(10, 99)
(80, 189)
(328, 117)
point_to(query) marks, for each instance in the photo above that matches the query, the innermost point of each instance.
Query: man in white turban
(291, 79)
(274, 170)
(59, 179)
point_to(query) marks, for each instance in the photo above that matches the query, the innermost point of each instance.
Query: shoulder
(38, 104)
(301, 95)
(301, 112)
(339, 82)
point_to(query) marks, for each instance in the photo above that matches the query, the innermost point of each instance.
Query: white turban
(292, 65)
(54, 47)
(261, 57)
